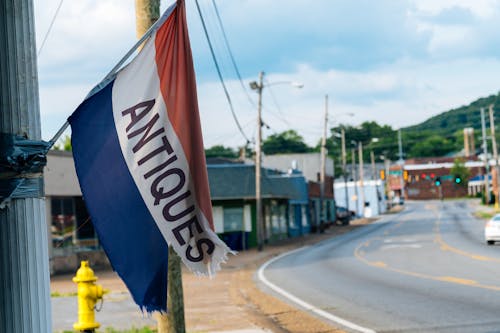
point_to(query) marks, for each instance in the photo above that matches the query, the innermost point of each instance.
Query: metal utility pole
(486, 162)
(374, 178)
(387, 186)
(344, 169)
(361, 184)
(401, 162)
(353, 165)
(24, 263)
(323, 170)
(374, 170)
(258, 160)
(147, 12)
(495, 155)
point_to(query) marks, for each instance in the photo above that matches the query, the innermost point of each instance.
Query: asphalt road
(427, 269)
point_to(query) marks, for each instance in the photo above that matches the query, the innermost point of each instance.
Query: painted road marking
(303, 304)
(399, 246)
(447, 247)
(360, 255)
(447, 279)
(457, 280)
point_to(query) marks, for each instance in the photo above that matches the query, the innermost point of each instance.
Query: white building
(371, 193)
(308, 163)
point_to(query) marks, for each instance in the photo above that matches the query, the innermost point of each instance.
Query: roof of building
(237, 181)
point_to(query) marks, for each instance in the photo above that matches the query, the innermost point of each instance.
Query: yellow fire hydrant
(88, 294)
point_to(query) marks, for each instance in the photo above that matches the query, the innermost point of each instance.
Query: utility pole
(258, 161)
(387, 185)
(323, 169)
(495, 154)
(344, 169)
(24, 264)
(353, 165)
(147, 12)
(486, 162)
(361, 184)
(401, 163)
(374, 177)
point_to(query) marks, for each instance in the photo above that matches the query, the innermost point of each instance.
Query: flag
(139, 158)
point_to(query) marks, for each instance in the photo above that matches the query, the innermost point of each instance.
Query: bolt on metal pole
(24, 264)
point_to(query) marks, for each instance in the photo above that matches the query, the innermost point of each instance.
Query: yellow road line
(359, 254)
(447, 247)
(457, 280)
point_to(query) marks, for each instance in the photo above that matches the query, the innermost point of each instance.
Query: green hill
(448, 123)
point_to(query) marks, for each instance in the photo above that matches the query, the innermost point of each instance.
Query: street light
(259, 86)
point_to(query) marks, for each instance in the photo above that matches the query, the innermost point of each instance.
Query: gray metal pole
(344, 169)
(353, 155)
(361, 178)
(401, 162)
(495, 155)
(258, 160)
(486, 162)
(323, 170)
(374, 178)
(24, 265)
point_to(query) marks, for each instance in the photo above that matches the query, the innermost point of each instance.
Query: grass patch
(484, 215)
(145, 329)
(58, 294)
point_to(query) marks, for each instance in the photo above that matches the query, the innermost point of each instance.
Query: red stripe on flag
(178, 88)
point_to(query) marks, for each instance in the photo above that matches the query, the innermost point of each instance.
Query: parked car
(397, 200)
(492, 230)
(344, 215)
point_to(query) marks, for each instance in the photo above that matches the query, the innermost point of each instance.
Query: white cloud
(399, 95)
(394, 62)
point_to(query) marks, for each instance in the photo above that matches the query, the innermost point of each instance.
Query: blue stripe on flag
(126, 229)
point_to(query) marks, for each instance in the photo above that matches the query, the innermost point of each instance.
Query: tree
(64, 144)
(221, 151)
(461, 171)
(433, 145)
(286, 142)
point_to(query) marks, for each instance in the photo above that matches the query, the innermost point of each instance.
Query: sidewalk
(230, 303)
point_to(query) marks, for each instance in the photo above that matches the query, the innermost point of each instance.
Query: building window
(278, 218)
(233, 219)
(71, 225)
(291, 215)
(63, 222)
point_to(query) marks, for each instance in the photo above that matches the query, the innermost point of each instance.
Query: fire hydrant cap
(84, 273)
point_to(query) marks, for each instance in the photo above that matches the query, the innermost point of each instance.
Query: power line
(50, 27)
(231, 55)
(219, 73)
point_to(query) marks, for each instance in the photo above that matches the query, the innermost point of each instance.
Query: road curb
(303, 304)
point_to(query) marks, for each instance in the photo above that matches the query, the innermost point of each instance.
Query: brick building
(421, 175)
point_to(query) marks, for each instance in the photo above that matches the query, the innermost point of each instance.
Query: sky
(394, 62)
